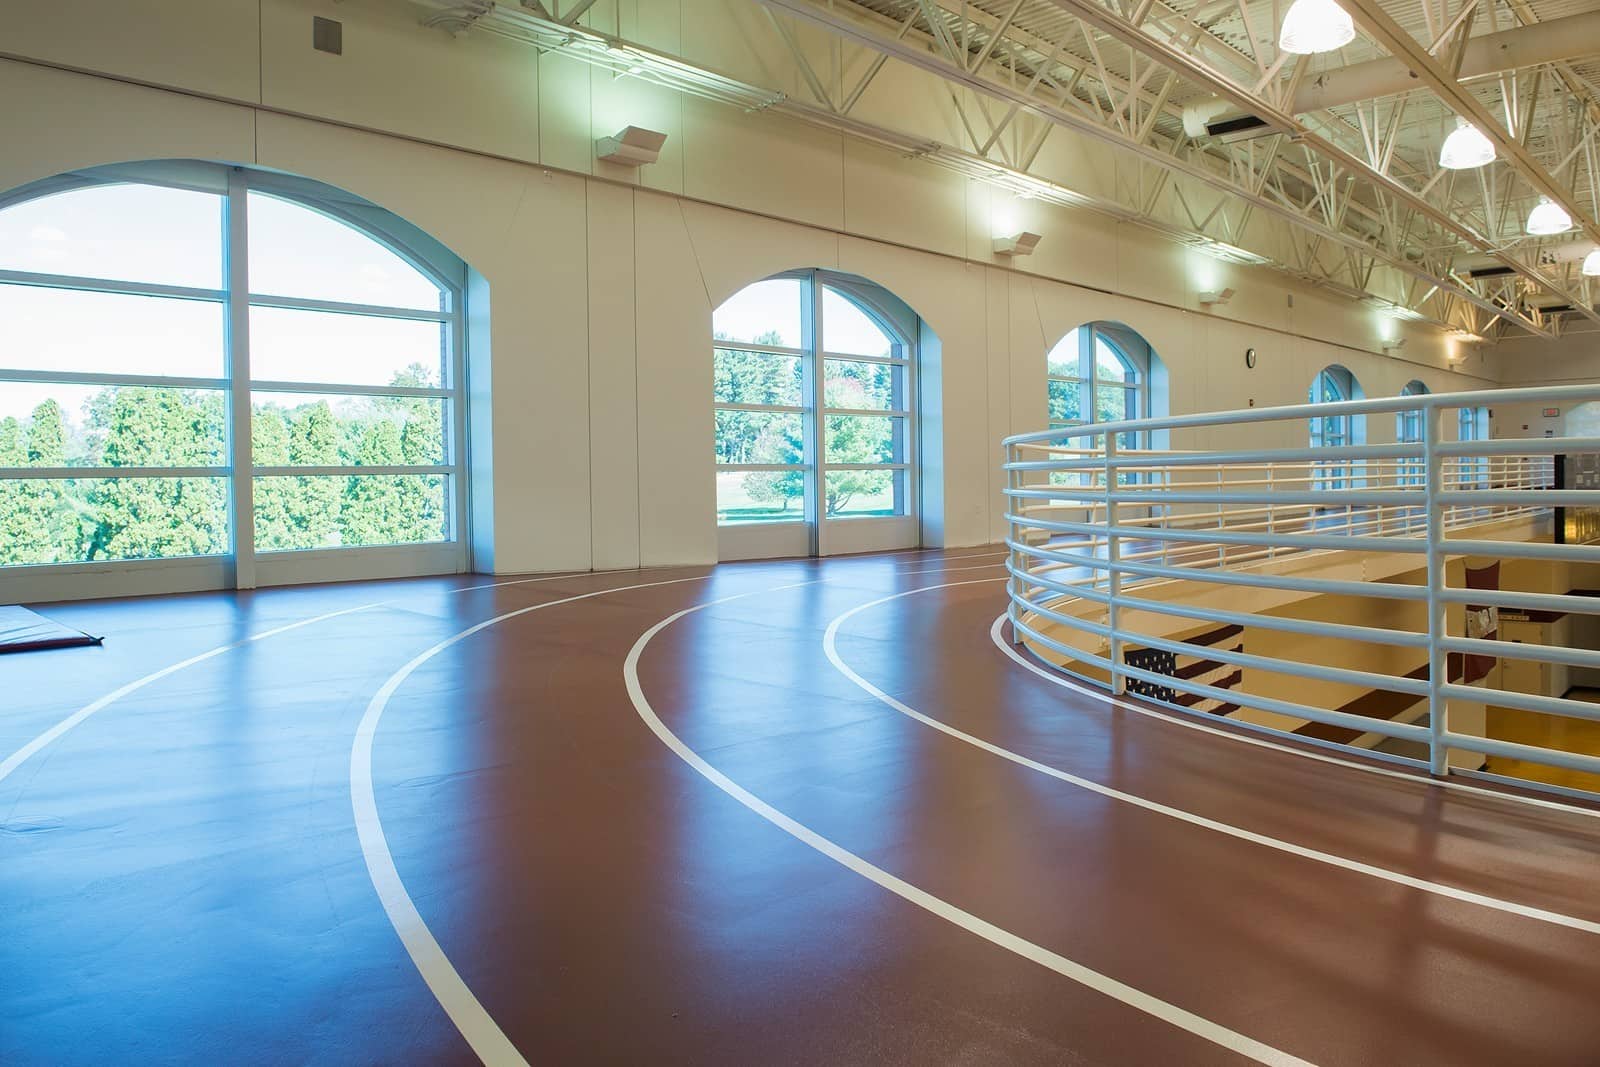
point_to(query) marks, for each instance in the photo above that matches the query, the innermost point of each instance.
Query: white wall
(596, 441)
(1573, 359)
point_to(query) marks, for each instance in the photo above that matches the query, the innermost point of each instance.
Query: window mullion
(236, 256)
(817, 424)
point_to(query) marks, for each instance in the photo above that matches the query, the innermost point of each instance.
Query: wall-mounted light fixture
(1021, 243)
(631, 146)
(1391, 347)
(1210, 297)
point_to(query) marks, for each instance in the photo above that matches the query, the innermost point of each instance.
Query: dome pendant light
(1315, 26)
(1548, 218)
(1591, 264)
(1465, 148)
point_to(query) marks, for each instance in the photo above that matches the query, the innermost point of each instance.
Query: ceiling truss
(1351, 197)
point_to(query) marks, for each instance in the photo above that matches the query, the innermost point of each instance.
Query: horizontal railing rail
(1348, 572)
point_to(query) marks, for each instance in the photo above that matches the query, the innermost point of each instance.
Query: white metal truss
(1348, 197)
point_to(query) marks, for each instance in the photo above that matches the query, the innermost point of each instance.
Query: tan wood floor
(1549, 731)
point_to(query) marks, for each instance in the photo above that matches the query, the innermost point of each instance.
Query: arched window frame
(1078, 374)
(1334, 384)
(900, 327)
(240, 562)
(1472, 424)
(1408, 424)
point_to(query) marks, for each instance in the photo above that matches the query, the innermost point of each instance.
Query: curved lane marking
(60, 729)
(488, 1041)
(1077, 972)
(831, 650)
(66, 725)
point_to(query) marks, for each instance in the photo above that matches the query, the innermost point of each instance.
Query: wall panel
(613, 379)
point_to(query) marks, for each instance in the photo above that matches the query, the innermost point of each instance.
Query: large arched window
(1408, 424)
(811, 366)
(1332, 385)
(162, 327)
(1472, 424)
(1408, 431)
(1103, 372)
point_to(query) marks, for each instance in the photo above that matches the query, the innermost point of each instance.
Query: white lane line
(946, 570)
(1188, 723)
(1077, 972)
(488, 1041)
(831, 650)
(56, 732)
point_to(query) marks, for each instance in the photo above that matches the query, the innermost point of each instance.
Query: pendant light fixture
(1591, 264)
(1547, 218)
(1465, 148)
(1315, 26)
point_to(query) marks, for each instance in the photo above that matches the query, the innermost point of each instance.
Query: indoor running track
(793, 812)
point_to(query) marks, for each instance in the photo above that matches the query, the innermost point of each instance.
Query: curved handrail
(1118, 557)
(1377, 406)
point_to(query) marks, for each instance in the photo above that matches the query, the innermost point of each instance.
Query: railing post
(1272, 510)
(1438, 621)
(1113, 575)
(1009, 454)
(1222, 549)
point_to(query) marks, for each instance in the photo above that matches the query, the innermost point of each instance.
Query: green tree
(745, 377)
(272, 497)
(37, 523)
(313, 500)
(142, 518)
(374, 504)
(857, 439)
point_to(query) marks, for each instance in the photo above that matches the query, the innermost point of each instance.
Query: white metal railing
(1120, 557)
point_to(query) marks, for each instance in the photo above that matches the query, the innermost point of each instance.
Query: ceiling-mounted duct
(1542, 42)
(1550, 256)
(1220, 119)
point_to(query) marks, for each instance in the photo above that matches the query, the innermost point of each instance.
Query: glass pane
(756, 378)
(342, 511)
(1064, 401)
(1063, 360)
(319, 346)
(864, 439)
(132, 233)
(760, 437)
(301, 429)
(1113, 403)
(105, 333)
(848, 329)
(766, 313)
(1108, 363)
(858, 494)
(761, 496)
(48, 425)
(80, 520)
(295, 251)
(851, 384)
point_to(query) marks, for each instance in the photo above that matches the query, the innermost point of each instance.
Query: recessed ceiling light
(1315, 26)
(1465, 148)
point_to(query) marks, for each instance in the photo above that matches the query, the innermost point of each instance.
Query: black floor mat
(22, 630)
